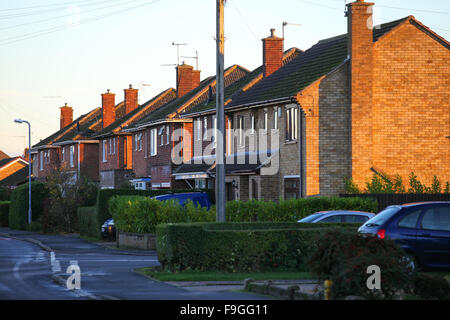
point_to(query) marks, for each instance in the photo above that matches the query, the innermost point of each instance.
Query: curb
(36, 242)
(292, 292)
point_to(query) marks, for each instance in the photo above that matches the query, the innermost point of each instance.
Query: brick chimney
(26, 154)
(272, 53)
(360, 51)
(131, 99)
(108, 112)
(187, 79)
(66, 117)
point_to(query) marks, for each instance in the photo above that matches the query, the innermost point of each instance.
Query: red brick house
(115, 146)
(153, 136)
(13, 171)
(351, 106)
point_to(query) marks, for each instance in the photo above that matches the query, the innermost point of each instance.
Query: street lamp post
(29, 166)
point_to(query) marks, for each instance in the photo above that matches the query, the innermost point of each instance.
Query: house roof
(3, 155)
(5, 161)
(305, 69)
(16, 178)
(240, 86)
(195, 97)
(143, 110)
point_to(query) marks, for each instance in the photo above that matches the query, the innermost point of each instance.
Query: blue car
(421, 229)
(198, 198)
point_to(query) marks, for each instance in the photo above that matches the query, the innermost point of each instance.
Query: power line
(66, 15)
(59, 28)
(30, 13)
(44, 6)
(243, 19)
(404, 8)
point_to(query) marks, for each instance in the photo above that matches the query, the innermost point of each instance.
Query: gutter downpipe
(78, 160)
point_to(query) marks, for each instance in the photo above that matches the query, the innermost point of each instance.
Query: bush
(5, 193)
(103, 196)
(18, 211)
(4, 212)
(237, 247)
(87, 222)
(343, 258)
(431, 286)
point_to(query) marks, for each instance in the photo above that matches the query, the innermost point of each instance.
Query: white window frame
(41, 160)
(167, 134)
(252, 123)
(275, 118)
(103, 152)
(72, 152)
(199, 129)
(153, 142)
(63, 154)
(241, 130)
(161, 135)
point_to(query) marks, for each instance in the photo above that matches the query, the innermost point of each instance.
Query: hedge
(138, 214)
(87, 222)
(4, 212)
(18, 210)
(229, 247)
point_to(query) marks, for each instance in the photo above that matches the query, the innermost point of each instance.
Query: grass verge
(220, 276)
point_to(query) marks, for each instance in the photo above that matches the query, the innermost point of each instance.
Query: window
(199, 129)
(410, 220)
(161, 134)
(41, 160)
(266, 119)
(336, 218)
(135, 142)
(145, 144)
(275, 119)
(104, 152)
(252, 123)
(229, 136)
(62, 154)
(355, 219)
(138, 142)
(437, 218)
(110, 146)
(205, 127)
(167, 135)
(114, 145)
(72, 152)
(291, 124)
(153, 142)
(241, 130)
(291, 188)
(214, 134)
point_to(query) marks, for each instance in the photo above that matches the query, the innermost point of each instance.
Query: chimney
(108, 112)
(272, 53)
(360, 52)
(131, 99)
(66, 117)
(26, 154)
(187, 79)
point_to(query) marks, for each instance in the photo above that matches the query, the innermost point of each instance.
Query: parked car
(199, 198)
(338, 216)
(421, 229)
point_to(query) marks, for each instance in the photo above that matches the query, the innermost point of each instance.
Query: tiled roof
(140, 112)
(306, 68)
(193, 98)
(240, 86)
(3, 155)
(16, 178)
(5, 161)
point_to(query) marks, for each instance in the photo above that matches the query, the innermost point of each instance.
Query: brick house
(153, 136)
(200, 170)
(13, 171)
(115, 146)
(351, 106)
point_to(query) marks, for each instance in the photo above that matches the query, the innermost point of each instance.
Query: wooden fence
(387, 199)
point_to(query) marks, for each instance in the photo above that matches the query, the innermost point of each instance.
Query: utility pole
(220, 116)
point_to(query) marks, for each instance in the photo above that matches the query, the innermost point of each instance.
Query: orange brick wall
(411, 105)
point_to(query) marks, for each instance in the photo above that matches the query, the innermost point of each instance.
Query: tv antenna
(284, 25)
(178, 50)
(196, 59)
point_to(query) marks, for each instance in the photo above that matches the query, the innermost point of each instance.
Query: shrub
(4, 212)
(5, 193)
(237, 247)
(343, 258)
(87, 222)
(18, 211)
(431, 286)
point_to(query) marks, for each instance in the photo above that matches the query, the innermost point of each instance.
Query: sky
(71, 51)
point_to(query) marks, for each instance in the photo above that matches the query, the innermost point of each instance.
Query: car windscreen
(312, 217)
(382, 217)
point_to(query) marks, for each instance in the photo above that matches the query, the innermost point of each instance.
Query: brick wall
(108, 112)
(411, 105)
(89, 166)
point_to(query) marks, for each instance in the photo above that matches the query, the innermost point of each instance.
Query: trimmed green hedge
(4, 213)
(87, 222)
(139, 214)
(104, 195)
(18, 211)
(229, 247)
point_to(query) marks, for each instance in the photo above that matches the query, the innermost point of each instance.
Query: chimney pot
(272, 32)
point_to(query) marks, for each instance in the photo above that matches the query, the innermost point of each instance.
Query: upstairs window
(241, 130)
(199, 129)
(41, 160)
(275, 118)
(153, 142)
(72, 152)
(167, 135)
(291, 124)
(103, 152)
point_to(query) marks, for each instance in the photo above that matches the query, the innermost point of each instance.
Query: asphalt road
(26, 270)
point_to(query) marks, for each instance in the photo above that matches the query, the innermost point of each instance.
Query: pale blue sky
(115, 46)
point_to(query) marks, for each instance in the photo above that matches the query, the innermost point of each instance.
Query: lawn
(221, 276)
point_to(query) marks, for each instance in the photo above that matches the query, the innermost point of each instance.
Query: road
(26, 270)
